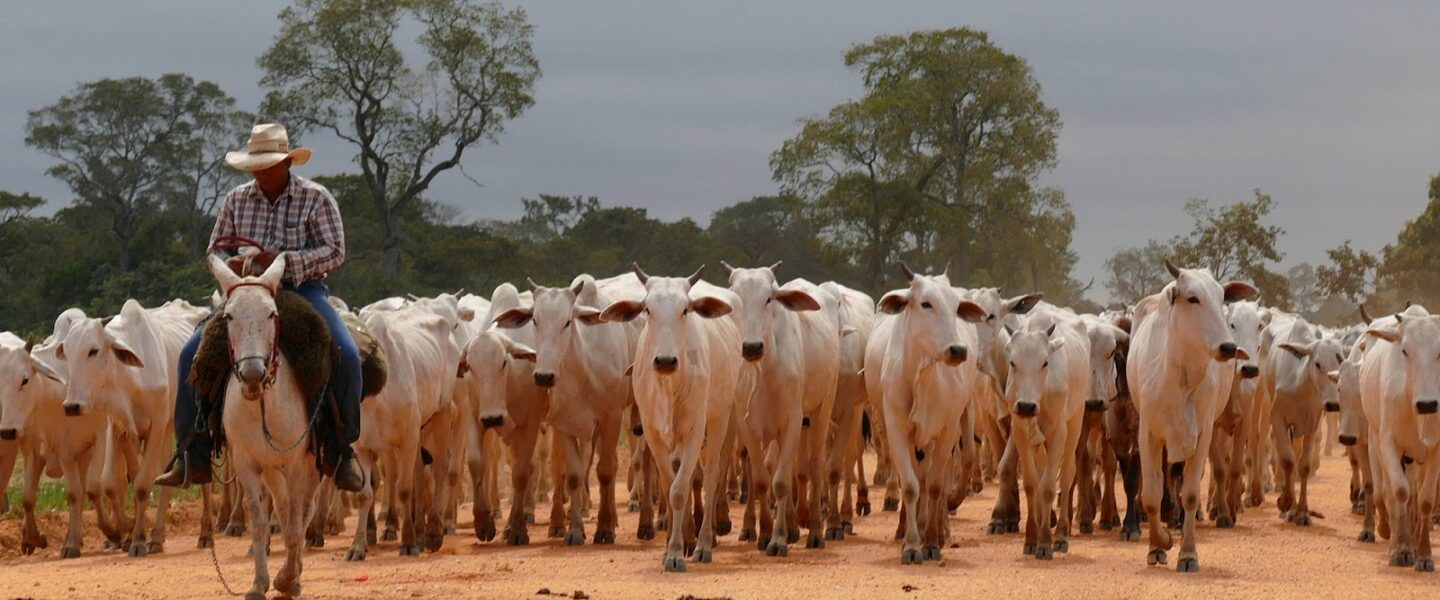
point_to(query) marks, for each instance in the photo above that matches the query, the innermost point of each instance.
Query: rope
(309, 428)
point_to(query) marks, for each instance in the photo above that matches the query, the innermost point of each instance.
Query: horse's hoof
(275, 529)
(703, 555)
(814, 542)
(355, 554)
(1043, 552)
(1109, 524)
(646, 531)
(746, 535)
(1367, 536)
(836, 534)
(862, 508)
(777, 549)
(848, 527)
(604, 537)
(1302, 520)
(911, 556)
(575, 538)
(1062, 546)
(389, 535)
(556, 531)
(1156, 557)
(674, 564)
(891, 505)
(485, 533)
(1187, 564)
(235, 530)
(929, 553)
(410, 550)
(1425, 565)
(68, 552)
(1224, 522)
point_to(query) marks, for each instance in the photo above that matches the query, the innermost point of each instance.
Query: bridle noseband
(272, 362)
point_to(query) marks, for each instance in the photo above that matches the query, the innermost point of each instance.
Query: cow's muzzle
(1094, 406)
(1226, 351)
(9, 434)
(1026, 409)
(666, 364)
(752, 350)
(544, 380)
(1348, 440)
(1249, 371)
(1332, 407)
(73, 410)
(1427, 407)
(956, 354)
(492, 421)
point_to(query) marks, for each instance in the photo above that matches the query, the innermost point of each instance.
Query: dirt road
(1261, 557)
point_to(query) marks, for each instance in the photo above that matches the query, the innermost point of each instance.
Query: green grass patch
(51, 497)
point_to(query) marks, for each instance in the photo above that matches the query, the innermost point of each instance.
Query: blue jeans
(198, 442)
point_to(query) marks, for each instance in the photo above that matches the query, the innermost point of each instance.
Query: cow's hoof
(450, 529)
(433, 542)
(575, 538)
(485, 533)
(862, 508)
(746, 535)
(1425, 565)
(891, 505)
(1156, 557)
(634, 506)
(517, 537)
(27, 548)
(108, 545)
(274, 529)
(1367, 536)
(1012, 527)
(68, 552)
(995, 528)
(1062, 546)
(1224, 522)
(1302, 519)
(235, 530)
(1130, 535)
(646, 531)
(139, 550)
(388, 535)
(848, 526)
(370, 537)
(836, 534)
(1187, 564)
(792, 536)
(662, 525)
(410, 550)
(1403, 558)
(315, 541)
(703, 555)
(777, 549)
(674, 564)
(911, 556)
(930, 553)
(255, 596)
(1254, 501)
(557, 531)
(1043, 552)
(604, 537)
(724, 528)
(814, 542)
(530, 518)
(1087, 527)
(355, 554)
(205, 542)
(1109, 524)
(1029, 549)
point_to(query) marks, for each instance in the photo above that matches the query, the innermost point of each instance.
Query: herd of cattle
(768, 389)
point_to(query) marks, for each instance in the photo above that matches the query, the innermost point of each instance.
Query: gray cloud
(675, 106)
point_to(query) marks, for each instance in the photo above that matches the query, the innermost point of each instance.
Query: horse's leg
(207, 519)
(259, 532)
(292, 506)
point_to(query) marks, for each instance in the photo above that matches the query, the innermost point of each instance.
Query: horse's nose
(544, 379)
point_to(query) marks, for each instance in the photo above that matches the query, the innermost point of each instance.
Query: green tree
(1408, 266)
(125, 146)
(1349, 273)
(1234, 242)
(935, 162)
(766, 229)
(1133, 273)
(15, 206)
(336, 65)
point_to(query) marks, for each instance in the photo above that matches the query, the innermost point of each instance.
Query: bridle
(272, 361)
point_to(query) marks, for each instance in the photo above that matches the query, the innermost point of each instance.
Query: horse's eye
(273, 315)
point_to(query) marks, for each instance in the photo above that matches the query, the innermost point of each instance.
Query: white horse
(268, 453)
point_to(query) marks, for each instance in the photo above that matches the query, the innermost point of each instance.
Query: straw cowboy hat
(268, 145)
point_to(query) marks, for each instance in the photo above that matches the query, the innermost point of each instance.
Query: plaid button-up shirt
(303, 224)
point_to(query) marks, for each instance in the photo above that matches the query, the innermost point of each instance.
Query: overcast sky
(675, 106)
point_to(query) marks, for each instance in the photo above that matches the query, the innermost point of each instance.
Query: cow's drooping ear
(622, 311)
(125, 355)
(463, 367)
(1236, 291)
(796, 300)
(847, 330)
(45, 371)
(1333, 375)
(1170, 293)
(513, 318)
(1300, 351)
(520, 351)
(971, 312)
(1389, 334)
(467, 314)
(1241, 354)
(1020, 305)
(1056, 343)
(893, 303)
(710, 307)
(588, 315)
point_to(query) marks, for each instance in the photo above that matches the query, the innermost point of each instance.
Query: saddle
(309, 348)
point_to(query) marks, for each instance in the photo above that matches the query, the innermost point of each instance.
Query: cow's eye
(925, 305)
(769, 300)
(94, 352)
(1046, 365)
(990, 318)
(1193, 300)
(24, 382)
(503, 363)
(1232, 326)
(684, 312)
(567, 323)
(1012, 364)
(1404, 352)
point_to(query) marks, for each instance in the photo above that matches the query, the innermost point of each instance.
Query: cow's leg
(521, 480)
(93, 471)
(1284, 448)
(1084, 461)
(862, 485)
(934, 513)
(365, 507)
(648, 474)
(75, 502)
(9, 452)
(559, 496)
(1190, 489)
(443, 428)
(714, 497)
(607, 466)
(1029, 475)
(1236, 462)
(1301, 515)
(1064, 465)
(1220, 467)
(259, 531)
(1109, 504)
(481, 510)
(783, 488)
(839, 510)
(1005, 518)
(721, 499)
(912, 551)
(1402, 553)
(1424, 519)
(1152, 487)
(824, 478)
(575, 472)
(401, 467)
(1367, 482)
(30, 537)
(1259, 438)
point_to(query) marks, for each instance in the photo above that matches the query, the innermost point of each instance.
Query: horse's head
(252, 324)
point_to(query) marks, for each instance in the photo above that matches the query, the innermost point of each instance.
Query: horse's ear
(223, 275)
(276, 272)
